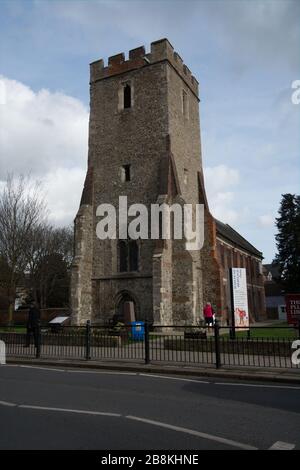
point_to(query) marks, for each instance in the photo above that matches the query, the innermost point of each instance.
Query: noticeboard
(292, 303)
(239, 298)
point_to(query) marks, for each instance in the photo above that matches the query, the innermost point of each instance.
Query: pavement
(79, 408)
(267, 374)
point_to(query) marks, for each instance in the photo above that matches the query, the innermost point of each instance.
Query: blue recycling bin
(137, 330)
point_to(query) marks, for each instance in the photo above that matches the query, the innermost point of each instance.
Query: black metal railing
(215, 346)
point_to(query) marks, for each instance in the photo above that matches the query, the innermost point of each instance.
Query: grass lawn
(278, 331)
(13, 329)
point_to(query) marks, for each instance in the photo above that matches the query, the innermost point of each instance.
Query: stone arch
(119, 301)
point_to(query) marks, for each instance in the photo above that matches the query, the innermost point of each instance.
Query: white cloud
(266, 220)
(220, 177)
(218, 180)
(63, 190)
(40, 131)
(44, 134)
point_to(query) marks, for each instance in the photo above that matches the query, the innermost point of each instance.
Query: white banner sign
(240, 297)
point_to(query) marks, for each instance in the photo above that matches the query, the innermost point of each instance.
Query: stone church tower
(144, 143)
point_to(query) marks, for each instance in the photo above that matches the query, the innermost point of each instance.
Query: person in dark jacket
(33, 324)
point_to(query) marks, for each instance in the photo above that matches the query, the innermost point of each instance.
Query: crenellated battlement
(160, 50)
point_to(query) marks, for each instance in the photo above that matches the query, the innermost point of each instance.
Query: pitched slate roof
(228, 233)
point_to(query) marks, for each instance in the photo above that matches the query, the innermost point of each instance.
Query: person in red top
(208, 313)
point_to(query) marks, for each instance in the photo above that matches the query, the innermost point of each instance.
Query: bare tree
(64, 241)
(49, 254)
(22, 209)
(38, 247)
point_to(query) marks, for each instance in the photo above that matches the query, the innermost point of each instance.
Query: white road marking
(257, 385)
(75, 371)
(101, 372)
(279, 445)
(6, 403)
(68, 410)
(42, 368)
(157, 376)
(194, 433)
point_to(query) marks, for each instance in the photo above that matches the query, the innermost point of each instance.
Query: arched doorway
(126, 310)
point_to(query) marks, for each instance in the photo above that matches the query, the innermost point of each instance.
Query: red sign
(292, 303)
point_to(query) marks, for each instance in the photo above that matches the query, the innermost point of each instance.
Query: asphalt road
(44, 408)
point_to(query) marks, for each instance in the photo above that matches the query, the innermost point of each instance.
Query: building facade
(234, 251)
(144, 143)
(274, 292)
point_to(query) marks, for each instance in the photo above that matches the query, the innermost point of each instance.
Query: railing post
(88, 340)
(38, 340)
(147, 344)
(217, 344)
(232, 332)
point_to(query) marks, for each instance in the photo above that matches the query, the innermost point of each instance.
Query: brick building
(144, 143)
(234, 251)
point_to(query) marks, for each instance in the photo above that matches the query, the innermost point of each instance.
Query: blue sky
(245, 55)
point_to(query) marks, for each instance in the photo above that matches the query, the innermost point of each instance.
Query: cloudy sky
(245, 54)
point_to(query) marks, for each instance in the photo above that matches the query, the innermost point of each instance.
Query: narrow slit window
(184, 103)
(127, 96)
(133, 255)
(125, 173)
(123, 256)
(185, 176)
